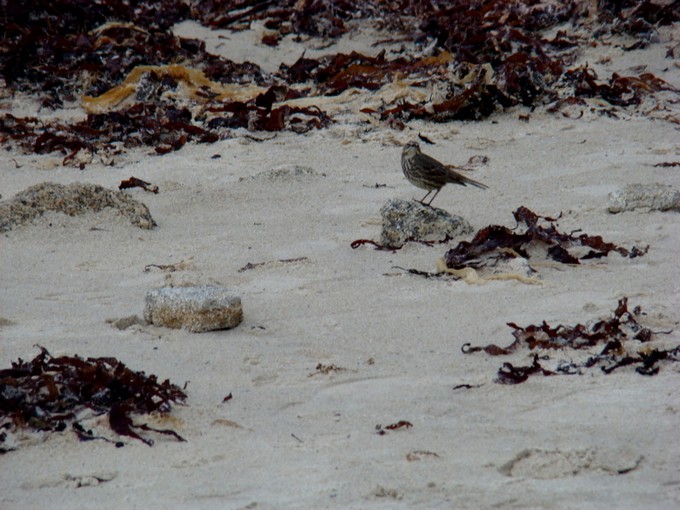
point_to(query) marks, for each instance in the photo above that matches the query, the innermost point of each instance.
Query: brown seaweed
(510, 374)
(324, 369)
(381, 247)
(361, 242)
(619, 335)
(539, 231)
(49, 393)
(134, 182)
(401, 424)
(143, 124)
(488, 55)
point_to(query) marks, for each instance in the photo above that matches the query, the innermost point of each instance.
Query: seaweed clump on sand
(51, 394)
(142, 85)
(620, 341)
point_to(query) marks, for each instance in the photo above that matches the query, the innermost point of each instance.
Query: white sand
(289, 439)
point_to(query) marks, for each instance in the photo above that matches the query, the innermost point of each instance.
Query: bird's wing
(430, 163)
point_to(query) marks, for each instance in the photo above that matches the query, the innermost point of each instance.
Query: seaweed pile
(496, 242)
(52, 393)
(472, 57)
(540, 235)
(623, 341)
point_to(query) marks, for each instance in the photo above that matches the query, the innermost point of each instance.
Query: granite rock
(652, 197)
(409, 220)
(196, 309)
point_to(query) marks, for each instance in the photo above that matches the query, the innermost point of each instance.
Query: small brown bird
(427, 173)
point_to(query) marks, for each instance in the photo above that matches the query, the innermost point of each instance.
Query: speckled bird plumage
(429, 174)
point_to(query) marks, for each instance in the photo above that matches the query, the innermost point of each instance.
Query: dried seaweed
(50, 393)
(381, 247)
(360, 242)
(466, 386)
(58, 48)
(619, 91)
(169, 268)
(637, 18)
(143, 124)
(620, 336)
(263, 117)
(510, 374)
(326, 369)
(418, 272)
(401, 424)
(503, 242)
(134, 182)
(487, 55)
(327, 19)
(88, 435)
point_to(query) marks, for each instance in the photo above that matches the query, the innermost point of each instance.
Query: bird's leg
(433, 197)
(422, 200)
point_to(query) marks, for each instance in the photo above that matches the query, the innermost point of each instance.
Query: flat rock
(196, 309)
(652, 197)
(408, 220)
(73, 200)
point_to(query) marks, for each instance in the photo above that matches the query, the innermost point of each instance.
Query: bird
(427, 173)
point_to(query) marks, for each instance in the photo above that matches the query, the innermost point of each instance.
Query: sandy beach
(337, 341)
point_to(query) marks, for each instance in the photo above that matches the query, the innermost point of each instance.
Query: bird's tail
(472, 182)
(457, 177)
